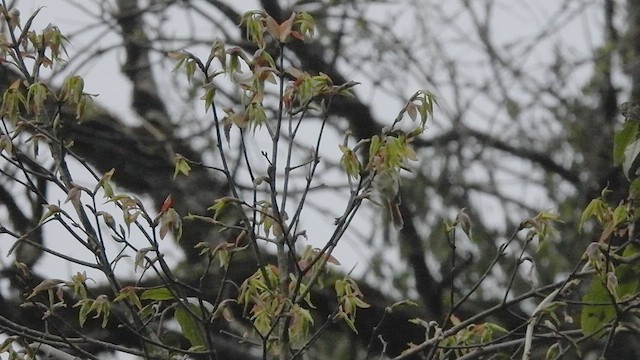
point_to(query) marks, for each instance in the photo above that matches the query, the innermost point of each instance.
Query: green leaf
(622, 139)
(146, 312)
(162, 293)
(85, 308)
(51, 210)
(630, 165)
(191, 329)
(596, 315)
(181, 166)
(628, 274)
(634, 189)
(620, 214)
(496, 327)
(553, 351)
(208, 96)
(595, 208)
(627, 280)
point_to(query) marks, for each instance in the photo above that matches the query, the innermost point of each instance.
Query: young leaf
(168, 203)
(191, 329)
(623, 139)
(595, 315)
(47, 284)
(170, 221)
(181, 166)
(595, 208)
(159, 294)
(630, 165)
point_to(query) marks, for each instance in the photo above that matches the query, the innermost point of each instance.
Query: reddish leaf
(272, 27)
(284, 29)
(168, 203)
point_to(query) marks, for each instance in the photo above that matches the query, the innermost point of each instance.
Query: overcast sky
(104, 78)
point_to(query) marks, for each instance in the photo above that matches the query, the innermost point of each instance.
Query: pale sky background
(104, 78)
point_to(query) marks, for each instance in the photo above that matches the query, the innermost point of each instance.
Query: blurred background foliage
(528, 105)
